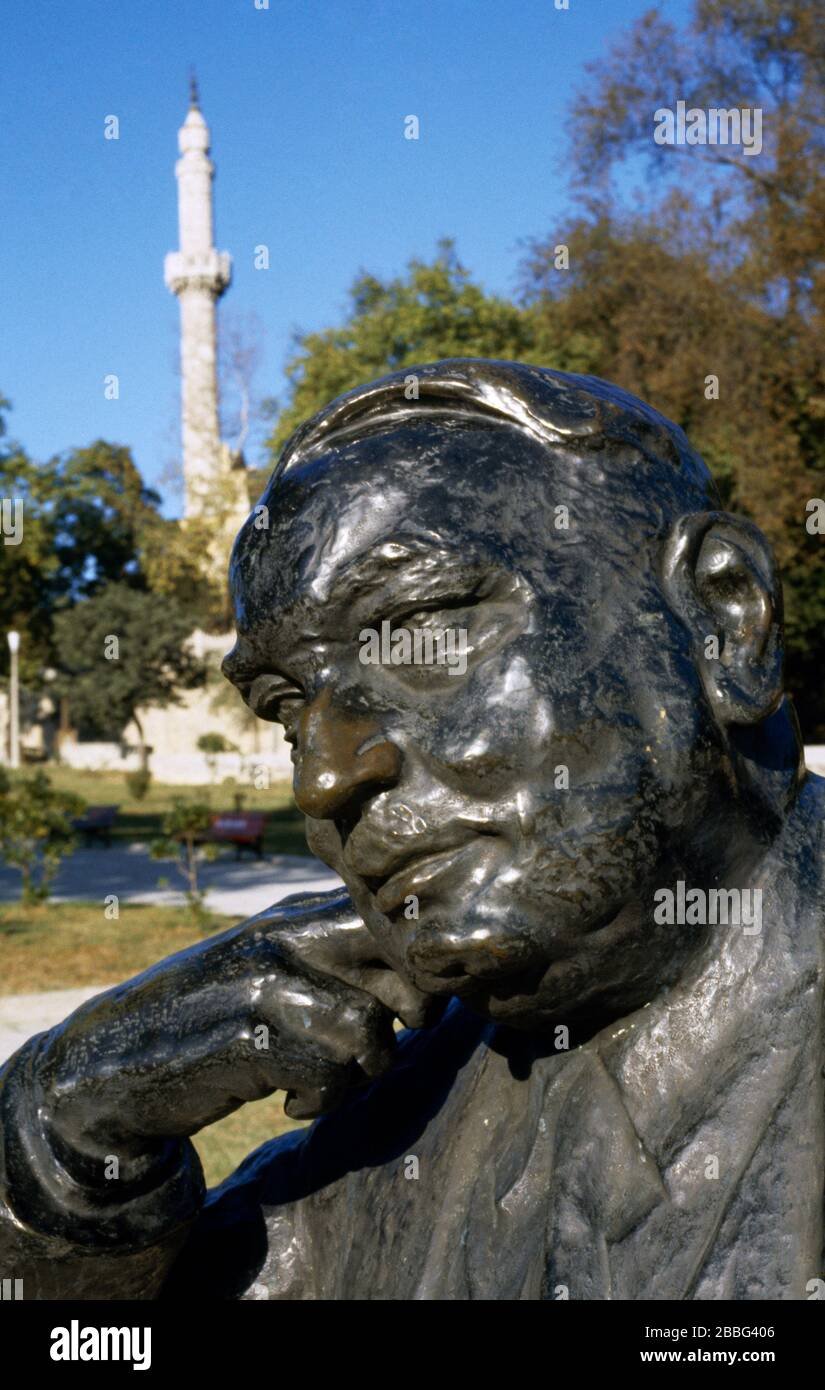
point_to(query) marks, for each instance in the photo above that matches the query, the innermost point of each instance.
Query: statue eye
(415, 617)
(436, 614)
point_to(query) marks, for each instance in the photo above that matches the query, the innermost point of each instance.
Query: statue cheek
(488, 755)
(498, 723)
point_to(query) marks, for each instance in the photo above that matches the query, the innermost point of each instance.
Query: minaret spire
(194, 99)
(198, 274)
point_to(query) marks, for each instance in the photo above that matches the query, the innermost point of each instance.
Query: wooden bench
(243, 829)
(96, 824)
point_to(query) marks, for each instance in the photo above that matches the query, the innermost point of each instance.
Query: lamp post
(14, 702)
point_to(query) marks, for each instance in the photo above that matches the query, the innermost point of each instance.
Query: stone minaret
(198, 274)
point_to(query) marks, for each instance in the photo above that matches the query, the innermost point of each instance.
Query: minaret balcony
(202, 270)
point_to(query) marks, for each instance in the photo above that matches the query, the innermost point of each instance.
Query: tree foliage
(184, 841)
(90, 521)
(36, 830)
(121, 650)
(98, 507)
(27, 569)
(435, 310)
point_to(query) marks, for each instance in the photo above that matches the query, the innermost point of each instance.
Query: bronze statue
(583, 864)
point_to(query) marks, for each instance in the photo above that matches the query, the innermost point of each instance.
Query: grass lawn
(63, 945)
(224, 1145)
(66, 945)
(141, 820)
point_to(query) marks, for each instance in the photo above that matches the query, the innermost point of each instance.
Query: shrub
(212, 745)
(138, 783)
(184, 829)
(36, 830)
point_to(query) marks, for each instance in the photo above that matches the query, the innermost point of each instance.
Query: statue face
(502, 827)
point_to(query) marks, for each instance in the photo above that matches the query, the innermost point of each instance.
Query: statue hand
(295, 999)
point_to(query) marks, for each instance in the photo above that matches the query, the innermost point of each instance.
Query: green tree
(212, 745)
(98, 508)
(435, 310)
(176, 559)
(108, 528)
(88, 521)
(121, 650)
(185, 828)
(36, 830)
(27, 566)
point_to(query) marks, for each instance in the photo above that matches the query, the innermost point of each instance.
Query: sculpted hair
(578, 413)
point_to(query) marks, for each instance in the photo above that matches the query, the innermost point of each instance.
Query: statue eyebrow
(428, 564)
(426, 571)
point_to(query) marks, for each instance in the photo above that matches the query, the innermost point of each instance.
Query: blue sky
(306, 102)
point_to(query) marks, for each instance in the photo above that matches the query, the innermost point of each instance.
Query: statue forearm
(98, 1183)
(67, 1233)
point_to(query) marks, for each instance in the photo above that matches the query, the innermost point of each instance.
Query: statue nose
(340, 757)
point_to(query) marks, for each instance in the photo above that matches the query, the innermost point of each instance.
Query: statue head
(530, 671)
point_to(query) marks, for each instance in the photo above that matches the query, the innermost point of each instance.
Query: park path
(23, 1015)
(238, 889)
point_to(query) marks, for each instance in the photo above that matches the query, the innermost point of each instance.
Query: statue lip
(416, 872)
(375, 859)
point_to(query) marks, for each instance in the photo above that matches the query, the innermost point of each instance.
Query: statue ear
(720, 578)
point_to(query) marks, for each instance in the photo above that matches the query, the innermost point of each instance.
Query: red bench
(243, 829)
